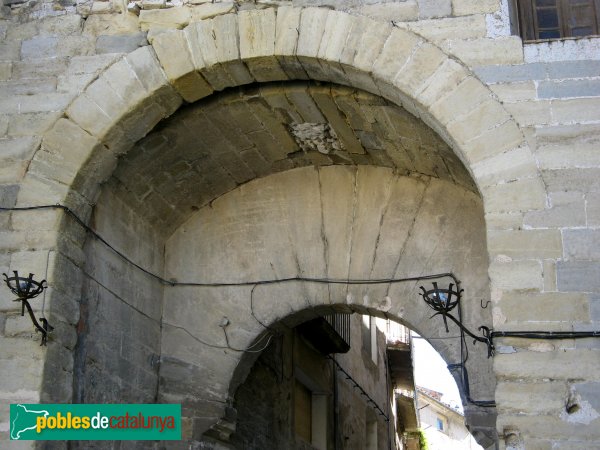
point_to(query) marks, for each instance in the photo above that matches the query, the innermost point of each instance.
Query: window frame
(526, 22)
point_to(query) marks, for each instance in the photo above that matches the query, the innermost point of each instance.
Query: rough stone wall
(544, 258)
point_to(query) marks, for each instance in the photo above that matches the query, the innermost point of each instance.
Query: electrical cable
(97, 236)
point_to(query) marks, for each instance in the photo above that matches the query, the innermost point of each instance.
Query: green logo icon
(95, 422)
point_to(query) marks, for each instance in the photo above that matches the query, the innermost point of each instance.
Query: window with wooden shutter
(555, 19)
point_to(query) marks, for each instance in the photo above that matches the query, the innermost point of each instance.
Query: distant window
(303, 411)
(369, 336)
(555, 19)
(440, 423)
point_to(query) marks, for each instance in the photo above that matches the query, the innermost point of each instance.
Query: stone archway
(133, 95)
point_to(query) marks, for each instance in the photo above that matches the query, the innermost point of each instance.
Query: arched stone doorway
(336, 215)
(133, 95)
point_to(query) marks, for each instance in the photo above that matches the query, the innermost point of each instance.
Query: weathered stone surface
(210, 10)
(398, 11)
(567, 209)
(434, 8)
(39, 47)
(526, 244)
(536, 365)
(581, 244)
(484, 51)
(516, 275)
(123, 43)
(173, 18)
(511, 73)
(437, 30)
(578, 276)
(524, 398)
(173, 54)
(465, 7)
(545, 307)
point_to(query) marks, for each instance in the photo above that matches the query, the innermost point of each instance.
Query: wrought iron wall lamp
(26, 288)
(442, 301)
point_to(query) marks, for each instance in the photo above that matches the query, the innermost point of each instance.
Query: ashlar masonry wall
(537, 168)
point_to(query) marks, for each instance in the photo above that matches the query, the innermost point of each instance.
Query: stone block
(33, 123)
(592, 202)
(511, 73)
(257, 44)
(504, 221)
(595, 307)
(39, 47)
(386, 12)
(203, 48)
(467, 7)
(530, 112)
(575, 111)
(173, 54)
(504, 167)
(121, 43)
(516, 275)
(447, 78)
(147, 69)
(395, 53)
(312, 27)
(544, 307)
(210, 10)
(482, 117)
(485, 51)
(517, 196)
(65, 25)
(507, 136)
(5, 71)
(568, 155)
(226, 32)
(429, 9)
(515, 92)
(10, 50)
(573, 69)
(526, 244)
(578, 276)
(154, 4)
(28, 87)
(525, 398)
(460, 101)
(561, 365)
(172, 18)
(425, 61)
(40, 68)
(98, 24)
(580, 180)
(19, 148)
(437, 30)
(549, 275)
(567, 209)
(569, 88)
(34, 103)
(4, 119)
(583, 244)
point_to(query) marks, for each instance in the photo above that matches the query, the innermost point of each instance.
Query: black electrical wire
(359, 387)
(97, 236)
